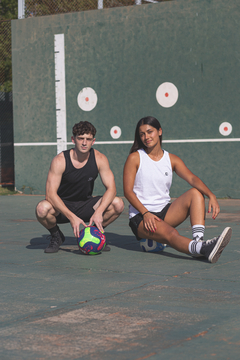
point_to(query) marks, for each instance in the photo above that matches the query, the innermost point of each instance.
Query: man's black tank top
(77, 184)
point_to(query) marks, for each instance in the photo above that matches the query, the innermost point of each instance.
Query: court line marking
(131, 142)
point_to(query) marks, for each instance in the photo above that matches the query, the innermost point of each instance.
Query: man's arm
(108, 181)
(53, 182)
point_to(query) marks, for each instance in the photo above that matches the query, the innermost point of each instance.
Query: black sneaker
(56, 240)
(212, 249)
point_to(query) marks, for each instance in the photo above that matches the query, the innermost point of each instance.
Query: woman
(147, 180)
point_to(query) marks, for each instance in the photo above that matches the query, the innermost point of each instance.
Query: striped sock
(198, 232)
(194, 247)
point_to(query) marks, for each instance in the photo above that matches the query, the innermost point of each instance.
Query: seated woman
(147, 180)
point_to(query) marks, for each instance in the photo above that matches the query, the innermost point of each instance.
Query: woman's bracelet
(145, 213)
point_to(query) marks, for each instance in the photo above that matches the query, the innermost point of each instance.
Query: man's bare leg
(113, 211)
(46, 215)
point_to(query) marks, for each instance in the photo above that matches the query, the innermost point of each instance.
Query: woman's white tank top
(152, 182)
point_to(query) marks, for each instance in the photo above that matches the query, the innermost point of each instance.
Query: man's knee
(43, 208)
(118, 205)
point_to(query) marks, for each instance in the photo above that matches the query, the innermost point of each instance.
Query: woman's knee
(171, 234)
(196, 194)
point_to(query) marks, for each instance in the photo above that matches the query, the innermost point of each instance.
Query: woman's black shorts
(135, 220)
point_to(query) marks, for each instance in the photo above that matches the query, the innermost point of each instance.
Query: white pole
(60, 92)
(0, 156)
(21, 9)
(100, 4)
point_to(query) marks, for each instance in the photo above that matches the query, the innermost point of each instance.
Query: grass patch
(8, 190)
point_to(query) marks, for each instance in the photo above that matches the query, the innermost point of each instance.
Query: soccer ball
(91, 241)
(149, 245)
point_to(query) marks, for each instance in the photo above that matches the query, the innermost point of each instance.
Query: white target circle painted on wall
(87, 99)
(167, 94)
(115, 132)
(225, 128)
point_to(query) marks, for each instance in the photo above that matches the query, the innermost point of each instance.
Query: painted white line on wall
(36, 144)
(60, 92)
(201, 140)
(70, 143)
(131, 142)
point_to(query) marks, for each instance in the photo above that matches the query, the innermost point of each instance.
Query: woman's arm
(182, 171)
(129, 174)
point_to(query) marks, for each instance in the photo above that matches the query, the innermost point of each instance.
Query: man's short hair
(84, 127)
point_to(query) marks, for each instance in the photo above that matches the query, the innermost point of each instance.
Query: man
(70, 185)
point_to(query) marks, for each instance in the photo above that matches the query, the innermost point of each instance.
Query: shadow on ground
(125, 242)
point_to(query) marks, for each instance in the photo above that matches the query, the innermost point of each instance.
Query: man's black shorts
(83, 209)
(135, 220)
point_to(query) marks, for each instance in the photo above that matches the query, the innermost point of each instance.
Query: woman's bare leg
(190, 203)
(165, 234)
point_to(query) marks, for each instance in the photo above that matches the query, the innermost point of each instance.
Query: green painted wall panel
(31, 167)
(124, 54)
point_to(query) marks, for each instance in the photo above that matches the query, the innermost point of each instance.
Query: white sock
(198, 232)
(194, 247)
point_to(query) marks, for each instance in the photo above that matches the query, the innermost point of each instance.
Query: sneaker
(56, 240)
(212, 249)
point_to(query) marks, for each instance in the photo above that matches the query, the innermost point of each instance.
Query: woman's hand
(214, 206)
(149, 221)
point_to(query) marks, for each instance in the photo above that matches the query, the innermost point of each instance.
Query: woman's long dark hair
(148, 120)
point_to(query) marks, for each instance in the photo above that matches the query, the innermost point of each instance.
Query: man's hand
(97, 219)
(75, 223)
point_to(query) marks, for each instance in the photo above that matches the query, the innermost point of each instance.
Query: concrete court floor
(124, 304)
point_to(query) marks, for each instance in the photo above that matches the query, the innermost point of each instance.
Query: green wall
(124, 54)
